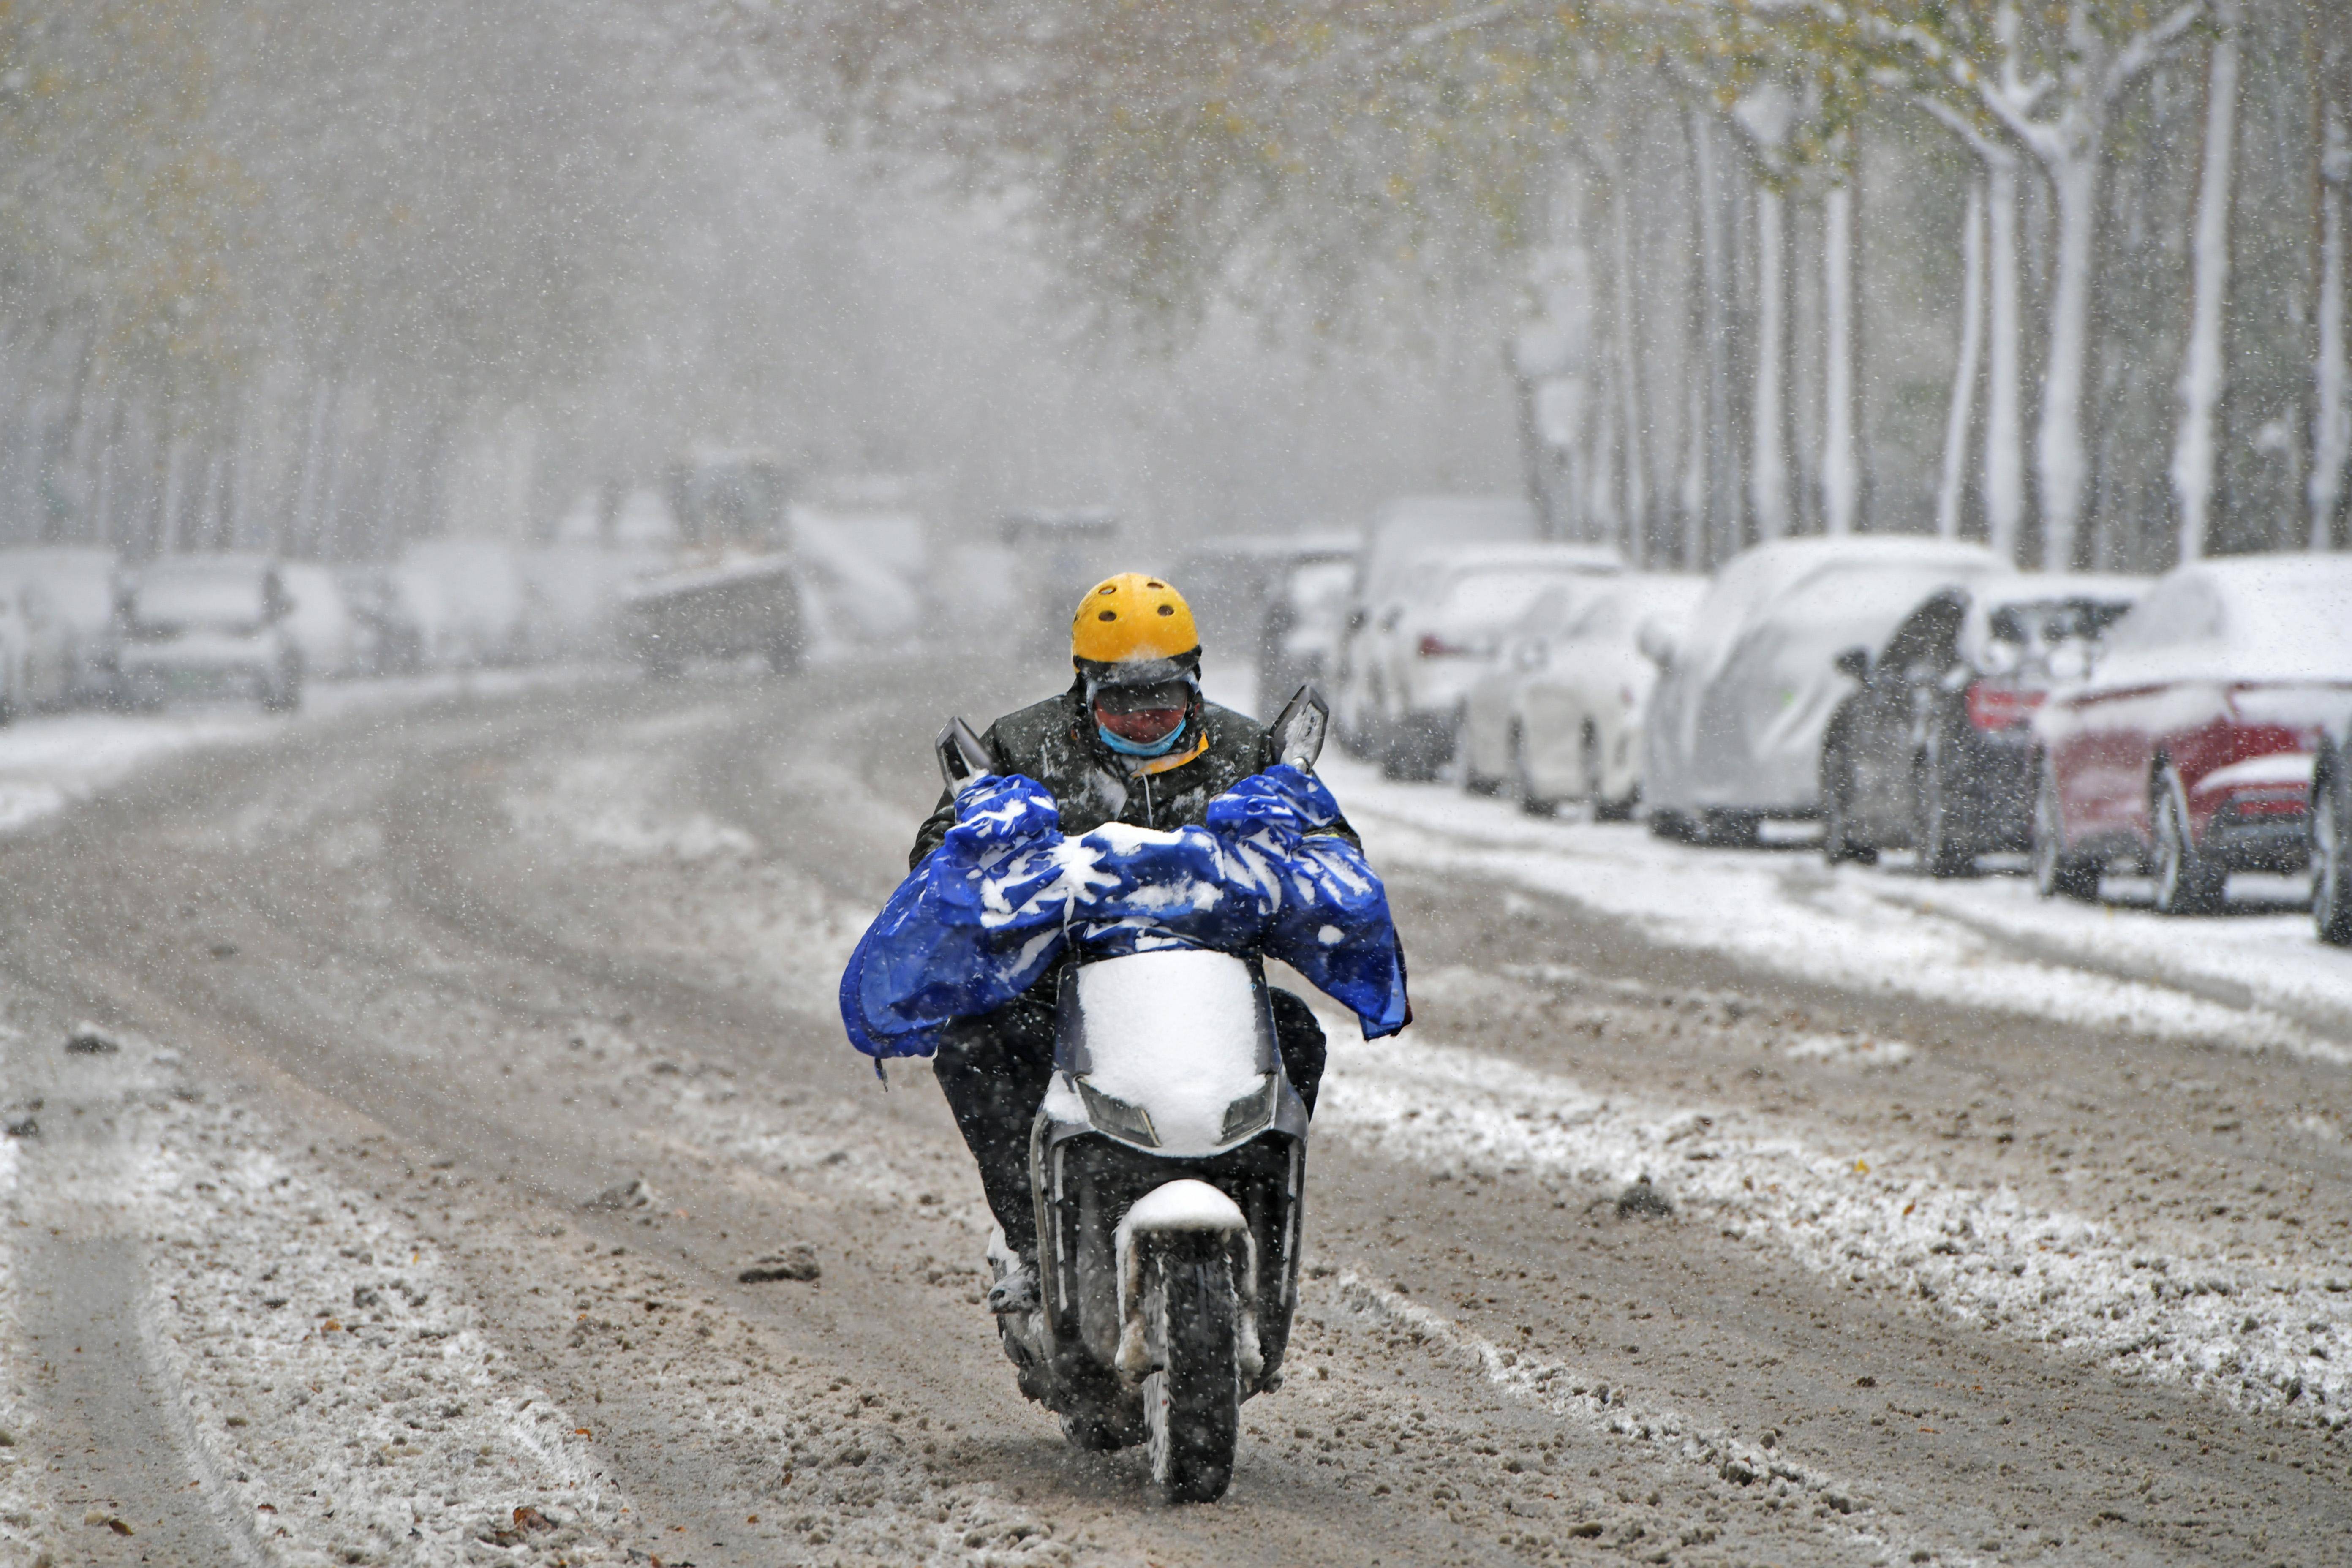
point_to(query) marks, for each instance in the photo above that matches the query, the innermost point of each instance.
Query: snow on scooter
(1168, 1162)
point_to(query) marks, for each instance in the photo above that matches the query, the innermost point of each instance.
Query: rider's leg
(1301, 1039)
(995, 1070)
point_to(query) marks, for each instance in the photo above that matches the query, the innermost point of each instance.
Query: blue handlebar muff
(1006, 895)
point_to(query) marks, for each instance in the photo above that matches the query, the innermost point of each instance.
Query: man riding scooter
(1132, 740)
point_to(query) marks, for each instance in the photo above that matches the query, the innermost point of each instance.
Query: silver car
(209, 625)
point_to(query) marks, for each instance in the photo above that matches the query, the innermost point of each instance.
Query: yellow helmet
(1132, 619)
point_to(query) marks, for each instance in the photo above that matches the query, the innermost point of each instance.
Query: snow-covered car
(76, 585)
(209, 625)
(1387, 571)
(36, 653)
(2189, 750)
(1559, 715)
(1430, 644)
(470, 600)
(1734, 727)
(1306, 616)
(391, 640)
(320, 620)
(1932, 751)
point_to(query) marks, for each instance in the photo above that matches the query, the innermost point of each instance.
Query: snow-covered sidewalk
(2255, 978)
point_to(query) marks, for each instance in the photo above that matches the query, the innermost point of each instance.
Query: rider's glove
(1281, 803)
(1006, 810)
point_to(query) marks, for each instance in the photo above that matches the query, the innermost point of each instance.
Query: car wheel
(1839, 842)
(1940, 853)
(1532, 801)
(2056, 873)
(2187, 883)
(2331, 876)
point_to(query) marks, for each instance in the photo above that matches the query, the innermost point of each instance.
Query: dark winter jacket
(1053, 742)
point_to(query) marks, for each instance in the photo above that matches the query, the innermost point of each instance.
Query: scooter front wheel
(1192, 1405)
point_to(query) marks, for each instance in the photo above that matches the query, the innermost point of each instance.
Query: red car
(2187, 752)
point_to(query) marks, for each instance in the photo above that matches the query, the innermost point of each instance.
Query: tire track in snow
(1588, 1401)
(2172, 1308)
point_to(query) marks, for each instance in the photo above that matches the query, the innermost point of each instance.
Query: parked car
(1559, 716)
(469, 599)
(1933, 750)
(1305, 617)
(202, 625)
(1441, 632)
(35, 651)
(1745, 692)
(77, 583)
(392, 642)
(1400, 533)
(321, 622)
(2188, 750)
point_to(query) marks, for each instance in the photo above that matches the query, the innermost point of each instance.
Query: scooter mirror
(963, 759)
(1298, 734)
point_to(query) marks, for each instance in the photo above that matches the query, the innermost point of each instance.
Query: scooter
(1169, 1162)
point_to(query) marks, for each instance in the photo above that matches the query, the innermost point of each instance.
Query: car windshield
(2028, 631)
(1492, 596)
(219, 600)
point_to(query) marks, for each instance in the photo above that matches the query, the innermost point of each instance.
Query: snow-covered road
(1961, 1240)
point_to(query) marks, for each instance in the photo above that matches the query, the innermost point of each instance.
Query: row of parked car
(80, 628)
(1905, 693)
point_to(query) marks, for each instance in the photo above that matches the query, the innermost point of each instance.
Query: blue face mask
(1126, 748)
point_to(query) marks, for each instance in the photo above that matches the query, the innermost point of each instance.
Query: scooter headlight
(1251, 1111)
(1117, 1117)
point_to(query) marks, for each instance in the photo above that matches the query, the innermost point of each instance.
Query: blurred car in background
(77, 583)
(1933, 750)
(1559, 715)
(2188, 750)
(1399, 534)
(1235, 582)
(1734, 728)
(1298, 637)
(1418, 661)
(32, 652)
(470, 599)
(209, 625)
(392, 642)
(319, 621)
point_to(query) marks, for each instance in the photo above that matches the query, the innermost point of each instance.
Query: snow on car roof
(2286, 616)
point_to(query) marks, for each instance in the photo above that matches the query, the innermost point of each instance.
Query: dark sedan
(1933, 750)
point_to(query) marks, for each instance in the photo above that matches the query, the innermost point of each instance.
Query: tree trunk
(2004, 450)
(1952, 488)
(1722, 499)
(1767, 447)
(2063, 467)
(2331, 371)
(1841, 465)
(2204, 369)
(1628, 334)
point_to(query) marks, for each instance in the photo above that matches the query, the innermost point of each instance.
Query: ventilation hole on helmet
(1108, 588)
(1108, 615)
(1167, 609)
(1163, 586)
